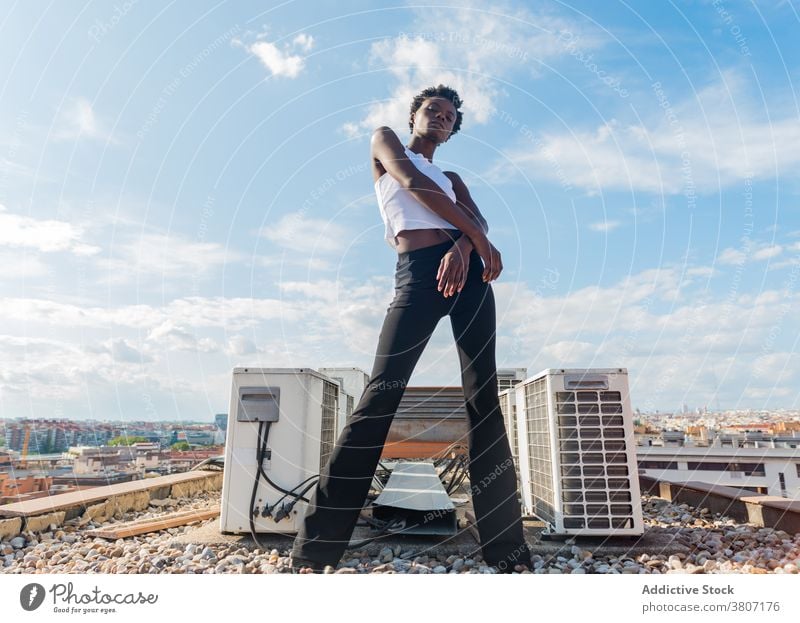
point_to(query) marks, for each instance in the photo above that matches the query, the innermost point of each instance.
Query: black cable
(287, 508)
(458, 476)
(264, 474)
(456, 484)
(263, 436)
(452, 463)
(297, 487)
(252, 513)
(386, 531)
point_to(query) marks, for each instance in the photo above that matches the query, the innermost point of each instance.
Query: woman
(444, 268)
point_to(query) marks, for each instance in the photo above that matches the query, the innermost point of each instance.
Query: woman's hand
(492, 262)
(454, 267)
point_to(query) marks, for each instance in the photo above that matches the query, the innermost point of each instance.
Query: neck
(421, 145)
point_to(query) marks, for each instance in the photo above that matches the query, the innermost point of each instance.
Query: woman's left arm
(454, 265)
(465, 202)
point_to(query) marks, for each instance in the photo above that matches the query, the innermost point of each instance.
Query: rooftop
(679, 537)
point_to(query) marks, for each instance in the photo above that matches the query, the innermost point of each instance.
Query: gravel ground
(716, 545)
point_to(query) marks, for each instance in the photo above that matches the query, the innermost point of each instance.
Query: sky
(185, 188)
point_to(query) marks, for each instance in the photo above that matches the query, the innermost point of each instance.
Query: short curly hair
(437, 91)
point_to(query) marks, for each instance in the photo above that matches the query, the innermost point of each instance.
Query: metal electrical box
(300, 407)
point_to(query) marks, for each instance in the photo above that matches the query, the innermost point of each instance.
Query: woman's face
(435, 119)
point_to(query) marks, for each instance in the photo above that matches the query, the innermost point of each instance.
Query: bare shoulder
(389, 156)
(384, 135)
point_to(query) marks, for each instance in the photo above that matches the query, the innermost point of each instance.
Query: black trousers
(411, 318)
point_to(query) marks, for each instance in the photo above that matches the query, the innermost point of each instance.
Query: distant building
(221, 420)
(43, 437)
(152, 460)
(773, 471)
(99, 460)
(220, 434)
(46, 436)
(24, 487)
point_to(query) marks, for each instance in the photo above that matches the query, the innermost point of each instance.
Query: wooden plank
(93, 495)
(415, 449)
(132, 528)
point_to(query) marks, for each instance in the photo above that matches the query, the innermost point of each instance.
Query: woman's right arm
(390, 152)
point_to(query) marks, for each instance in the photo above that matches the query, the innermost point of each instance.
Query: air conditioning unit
(353, 381)
(296, 410)
(508, 407)
(577, 457)
(509, 377)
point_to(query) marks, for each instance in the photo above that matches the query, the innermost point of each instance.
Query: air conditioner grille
(587, 474)
(541, 469)
(327, 428)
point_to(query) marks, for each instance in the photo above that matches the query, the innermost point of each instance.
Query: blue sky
(186, 187)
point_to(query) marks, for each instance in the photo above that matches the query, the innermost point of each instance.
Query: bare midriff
(410, 239)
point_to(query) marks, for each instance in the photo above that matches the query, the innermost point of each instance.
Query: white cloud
(16, 266)
(569, 352)
(173, 337)
(43, 235)
(787, 263)
(281, 61)
(662, 324)
(125, 351)
(701, 271)
(304, 41)
(17, 171)
(749, 251)
(732, 256)
(239, 346)
(304, 234)
(604, 225)
(768, 251)
(610, 155)
(290, 259)
(669, 333)
(472, 49)
(218, 312)
(163, 255)
(78, 120)
(713, 138)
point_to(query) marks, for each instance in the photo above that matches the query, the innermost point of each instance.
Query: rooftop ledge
(101, 503)
(765, 511)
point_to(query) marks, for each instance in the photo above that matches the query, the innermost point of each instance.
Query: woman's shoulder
(382, 130)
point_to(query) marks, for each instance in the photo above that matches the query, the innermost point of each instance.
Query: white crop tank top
(400, 210)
